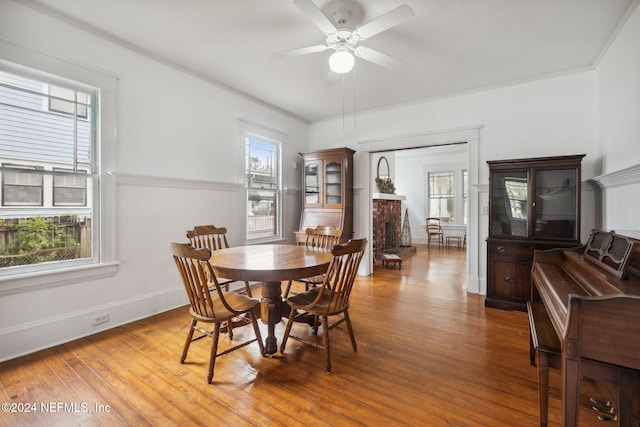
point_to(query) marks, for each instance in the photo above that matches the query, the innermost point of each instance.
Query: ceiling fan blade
(384, 22)
(378, 58)
(316, 16)
(301, 51)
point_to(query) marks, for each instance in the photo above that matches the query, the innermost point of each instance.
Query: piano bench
(548, 353)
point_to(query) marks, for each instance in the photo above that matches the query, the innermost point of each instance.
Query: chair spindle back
(208, 236)
(342, 273)
(322, 237)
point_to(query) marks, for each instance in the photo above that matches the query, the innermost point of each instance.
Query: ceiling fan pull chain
(355, 124)
(342, 103)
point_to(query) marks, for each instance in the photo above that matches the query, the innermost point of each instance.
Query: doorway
(476, 282)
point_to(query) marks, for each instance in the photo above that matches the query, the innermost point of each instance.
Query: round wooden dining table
(270, 264)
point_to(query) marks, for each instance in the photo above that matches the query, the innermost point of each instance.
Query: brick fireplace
(387, 223)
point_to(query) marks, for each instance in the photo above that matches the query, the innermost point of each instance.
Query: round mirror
(383, 168)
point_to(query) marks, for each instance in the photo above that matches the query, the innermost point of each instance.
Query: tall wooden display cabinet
(327, 191)
(534, 204)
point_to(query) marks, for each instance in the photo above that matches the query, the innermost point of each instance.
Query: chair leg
(248, 288)
(327, 350)
(315, 324)
(230, 328)
(256, 329)
(188, 342)
(287, 330)
(350, 329)
(214, 351)
(286, 291)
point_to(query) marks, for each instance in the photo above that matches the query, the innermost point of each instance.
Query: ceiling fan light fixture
(341, 61)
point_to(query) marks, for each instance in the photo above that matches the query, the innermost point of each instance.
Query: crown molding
(627, 176)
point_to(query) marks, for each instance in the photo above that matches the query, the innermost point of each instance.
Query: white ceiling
(448, 47)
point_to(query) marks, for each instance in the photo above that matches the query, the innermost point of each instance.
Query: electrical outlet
(103, 318)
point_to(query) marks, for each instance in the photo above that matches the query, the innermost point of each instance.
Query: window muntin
(68, 101)
(263, 178)
(61, 148)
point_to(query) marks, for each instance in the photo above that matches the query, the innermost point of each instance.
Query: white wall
(554, 116)
(412, 168)
(617, 89)
(179, 162)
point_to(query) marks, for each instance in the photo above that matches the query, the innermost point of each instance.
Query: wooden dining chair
(207, 307)
(329, 299)
(434, 231)
(213, 238)
(320, 237)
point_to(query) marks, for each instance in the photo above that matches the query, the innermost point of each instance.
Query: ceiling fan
(344, 41)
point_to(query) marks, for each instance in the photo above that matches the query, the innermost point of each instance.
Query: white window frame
(278, 219)
(459, 192)
(104, 263)
(452, 197)
(62, 103)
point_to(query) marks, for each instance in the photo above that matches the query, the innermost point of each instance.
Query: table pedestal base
(271, 313)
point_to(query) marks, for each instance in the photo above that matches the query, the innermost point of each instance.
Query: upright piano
(592, 297)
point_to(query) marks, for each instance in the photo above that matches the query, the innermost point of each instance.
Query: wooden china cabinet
(327, 191)
(534, 203)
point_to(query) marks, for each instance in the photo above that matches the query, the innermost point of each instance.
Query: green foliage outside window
(37, 236)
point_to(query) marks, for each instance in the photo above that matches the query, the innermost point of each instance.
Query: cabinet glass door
(509, 204)
(312, 183)
(556, 204)
(333, 183)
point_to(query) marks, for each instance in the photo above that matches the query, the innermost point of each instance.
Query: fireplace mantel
(384, 196)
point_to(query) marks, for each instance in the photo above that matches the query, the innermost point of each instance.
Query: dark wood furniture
(545, 353)
(331, 298)
(208, 307)
(589, 297)
(534, 204)
(270, 264)
(327, 191)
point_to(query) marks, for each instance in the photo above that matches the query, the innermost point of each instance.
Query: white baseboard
(29, 337)
(477, 285)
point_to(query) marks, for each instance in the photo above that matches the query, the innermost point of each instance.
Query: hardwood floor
(428, 354)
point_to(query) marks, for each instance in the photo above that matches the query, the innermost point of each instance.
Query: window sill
(271, 240)
(29, 282)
